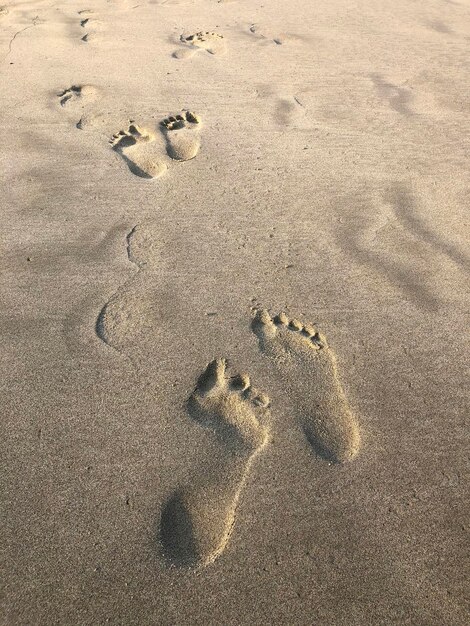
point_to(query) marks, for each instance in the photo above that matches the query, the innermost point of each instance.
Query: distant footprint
(307, 367)
(77, 95)
(197, 521)
(182, 135)
(89, 23)
(277, 39)
(133, 145)
(209, 41)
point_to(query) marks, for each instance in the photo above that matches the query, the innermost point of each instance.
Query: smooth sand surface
(235, 296)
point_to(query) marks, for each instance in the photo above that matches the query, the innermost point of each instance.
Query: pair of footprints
(197, 522)
(134, 144)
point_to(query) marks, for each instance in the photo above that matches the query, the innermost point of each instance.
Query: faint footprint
(399, 98)
(197, 521)
(130, 310)
(3, 12)
(307, 367)
(77, 95)
(91, 121)
(277, 39)
(182, 136)
(211, 42)
(133, 145)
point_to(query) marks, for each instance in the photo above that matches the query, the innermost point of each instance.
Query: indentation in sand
(122, 319)
(77, 95)
(280, 39)
(289, 111)
(197, 521)
(133, 145)
(214, 43)
(307, 367)
(90, 24)
(127, 312)
(182, 135)
(398, 97)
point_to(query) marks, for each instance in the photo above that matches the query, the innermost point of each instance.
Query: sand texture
(235, 311)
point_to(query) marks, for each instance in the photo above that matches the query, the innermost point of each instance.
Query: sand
(234, 302)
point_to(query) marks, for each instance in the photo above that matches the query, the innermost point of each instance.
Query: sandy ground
(299, 222)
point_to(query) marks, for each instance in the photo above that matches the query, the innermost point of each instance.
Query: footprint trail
(307, 367)
(197, 521)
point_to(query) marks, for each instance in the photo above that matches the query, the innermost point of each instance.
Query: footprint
(3, 11)
(91, 121)
(399, 97)
(211, 42)
(77, 95)
(197, 521)
(182, 136)
(184, 53)
(130, 310)
(89, 23)
(307, 367)
(277, 39)
(122, 319)
(133, 145)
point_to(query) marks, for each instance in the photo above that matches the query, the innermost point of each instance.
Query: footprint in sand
(130, 310)
(89, 23)
(279, 40)
(208, 41)
(3, 12)
(197, 521)
(124, 317)
(182, 135)
(77, 95)
(307, 367)
(134, 145)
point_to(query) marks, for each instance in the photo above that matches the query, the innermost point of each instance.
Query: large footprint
(307, 367)
(182, 135)
(197, 521)
(133, 145)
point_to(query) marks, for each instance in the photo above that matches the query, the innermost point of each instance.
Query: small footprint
(197, 521)
(133, 145)
(307, 367)
(182, 135)
(209, 41)
(3, 12)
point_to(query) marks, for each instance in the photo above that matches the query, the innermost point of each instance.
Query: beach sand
(234, 310)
